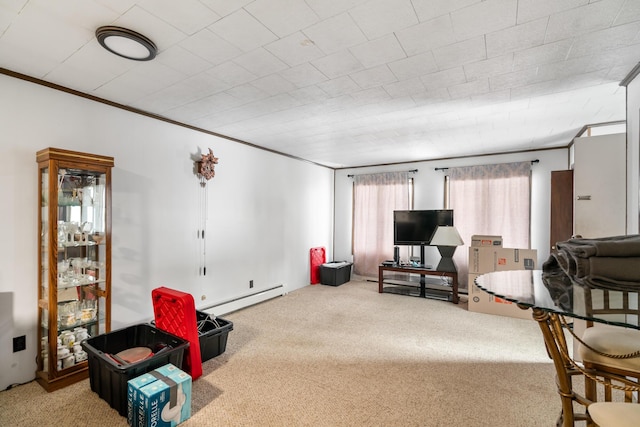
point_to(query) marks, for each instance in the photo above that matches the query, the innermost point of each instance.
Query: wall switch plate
(250, 284)
(19, 343)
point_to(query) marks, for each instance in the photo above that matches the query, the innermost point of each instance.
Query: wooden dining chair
(615, 414)
(611, 354)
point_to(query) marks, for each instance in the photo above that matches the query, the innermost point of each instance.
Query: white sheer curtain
(376, 196)
(490, 199)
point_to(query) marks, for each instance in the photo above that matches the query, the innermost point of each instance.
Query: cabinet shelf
(80, 324)
(64, 245)
(85, 281)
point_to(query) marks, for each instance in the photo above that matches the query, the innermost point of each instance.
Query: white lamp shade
(446, 236)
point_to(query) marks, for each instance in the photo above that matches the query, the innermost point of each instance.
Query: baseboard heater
(238, 303)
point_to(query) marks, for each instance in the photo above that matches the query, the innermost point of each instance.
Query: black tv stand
(422, 272)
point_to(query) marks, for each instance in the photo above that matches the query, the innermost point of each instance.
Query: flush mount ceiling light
(126, 43)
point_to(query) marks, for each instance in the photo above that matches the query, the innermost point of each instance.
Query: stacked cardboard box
(486, 254)
(159, 398)
(478, 240)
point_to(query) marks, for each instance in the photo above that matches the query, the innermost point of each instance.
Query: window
(375, 197)
(493, 200)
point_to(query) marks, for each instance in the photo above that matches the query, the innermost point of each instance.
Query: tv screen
(416, 227)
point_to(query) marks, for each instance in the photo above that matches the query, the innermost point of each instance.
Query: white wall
(429, 194)
(633, 155)
(264, 211)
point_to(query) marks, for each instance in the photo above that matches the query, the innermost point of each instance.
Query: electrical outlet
(250, 284)
(19, 343)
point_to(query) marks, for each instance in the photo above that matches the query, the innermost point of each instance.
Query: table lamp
(446, 238)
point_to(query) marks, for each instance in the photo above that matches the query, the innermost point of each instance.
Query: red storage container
(175, 312)
(318, 256)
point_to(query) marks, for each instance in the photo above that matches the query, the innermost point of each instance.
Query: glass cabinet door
(74, 258)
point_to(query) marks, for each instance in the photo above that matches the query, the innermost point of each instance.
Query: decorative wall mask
(206, 166)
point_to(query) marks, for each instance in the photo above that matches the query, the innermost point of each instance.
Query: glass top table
(557, 294)
(551, 297)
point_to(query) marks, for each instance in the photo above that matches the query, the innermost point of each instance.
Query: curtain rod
(411, 171)
(444, 169)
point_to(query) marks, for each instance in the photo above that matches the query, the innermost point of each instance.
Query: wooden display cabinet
(74, 259)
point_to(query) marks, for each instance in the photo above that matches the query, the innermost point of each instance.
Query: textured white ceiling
(347, 82)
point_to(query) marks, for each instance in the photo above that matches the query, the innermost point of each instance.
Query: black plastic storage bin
(109, 378)
(213, 338)
(335, 273)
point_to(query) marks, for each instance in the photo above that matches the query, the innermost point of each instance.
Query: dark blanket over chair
(610, 262)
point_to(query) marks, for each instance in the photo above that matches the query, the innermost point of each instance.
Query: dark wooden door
(561, 207)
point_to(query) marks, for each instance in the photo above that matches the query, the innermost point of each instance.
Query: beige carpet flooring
(346, 356)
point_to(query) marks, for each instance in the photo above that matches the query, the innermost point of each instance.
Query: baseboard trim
(244, 301)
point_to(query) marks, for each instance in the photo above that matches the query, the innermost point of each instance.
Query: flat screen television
(416, 227)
